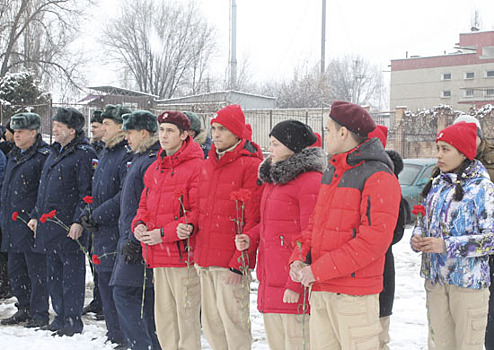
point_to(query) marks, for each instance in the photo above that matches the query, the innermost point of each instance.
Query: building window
(469, 75)
(446, 94)
(489, 74)
(489, 92)
(469, 93)
(446, 76)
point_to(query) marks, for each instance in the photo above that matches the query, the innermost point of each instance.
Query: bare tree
(163, 44)
(35, 35)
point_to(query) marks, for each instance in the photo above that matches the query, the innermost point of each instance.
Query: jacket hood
(474, 171)
(118, 138)
(245, 148)
(188, 151)
(146, 144)
(397, 161)
(370, 150)
(309, 159)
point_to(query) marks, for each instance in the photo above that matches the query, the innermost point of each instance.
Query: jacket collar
(245, 148)
(370, 150)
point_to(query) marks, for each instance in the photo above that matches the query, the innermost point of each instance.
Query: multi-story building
(461, 79)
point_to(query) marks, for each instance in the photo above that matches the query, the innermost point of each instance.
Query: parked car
(414, 176)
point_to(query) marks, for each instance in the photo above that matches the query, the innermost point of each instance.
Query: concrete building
(461, 79)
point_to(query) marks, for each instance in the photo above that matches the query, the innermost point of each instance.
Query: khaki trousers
(225, 310)
(344, 322)
(177, 326)
(457, 316)
(286, 331)
(384, 335)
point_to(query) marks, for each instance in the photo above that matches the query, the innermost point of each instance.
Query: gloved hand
(87, 221)
(132, 252)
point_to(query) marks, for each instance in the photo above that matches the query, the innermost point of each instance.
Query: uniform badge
(94, 163)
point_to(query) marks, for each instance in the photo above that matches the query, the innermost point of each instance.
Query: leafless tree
(163, 44)
(35, 36)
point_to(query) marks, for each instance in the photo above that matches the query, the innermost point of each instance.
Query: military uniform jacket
(125, 274)
(107, 184)
(19, 193)
(65, 181)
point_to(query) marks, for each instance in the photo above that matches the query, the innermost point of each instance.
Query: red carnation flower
(43, 218)
(88, 199)
(15, 214)
(51, 214)
(241, 195)
(418, 209)
(95, 259)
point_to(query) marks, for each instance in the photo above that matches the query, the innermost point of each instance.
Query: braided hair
(460, 175)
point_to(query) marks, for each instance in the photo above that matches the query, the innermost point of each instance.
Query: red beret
(232, 118)
(353, 117)
(462, 136)
(381, 132)
(174, 117)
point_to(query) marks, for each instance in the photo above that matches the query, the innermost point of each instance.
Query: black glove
(132, 252)
(87, 221)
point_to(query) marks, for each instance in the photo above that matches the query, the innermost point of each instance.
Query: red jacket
(288, 199)
(167, 179)
(353, 221)
(235, 170)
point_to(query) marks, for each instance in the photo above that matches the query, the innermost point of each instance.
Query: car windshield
(409, 174)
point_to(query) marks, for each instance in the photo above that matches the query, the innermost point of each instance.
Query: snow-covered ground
(408, 323)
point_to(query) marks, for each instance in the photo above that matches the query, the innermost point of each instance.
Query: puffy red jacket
(219, 178)
(287, 202)
(167, 179)
(352, 224)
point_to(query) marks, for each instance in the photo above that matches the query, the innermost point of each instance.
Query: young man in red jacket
(225, 277)
(349, 233)
(165, 203)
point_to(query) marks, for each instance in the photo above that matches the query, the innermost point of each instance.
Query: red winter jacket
(235, 170)
(288, 199)
(352, 224)
(167, 179)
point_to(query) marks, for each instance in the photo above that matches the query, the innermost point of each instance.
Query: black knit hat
(140, 120)
(31, 121)
(70, 117)
(115, 113)
(96, 118)
(195, 122)
(294, 134)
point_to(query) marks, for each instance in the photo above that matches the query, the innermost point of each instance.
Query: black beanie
(71, 117)
(294, 134)
(140, 120)
(96, 118)
(115, 113)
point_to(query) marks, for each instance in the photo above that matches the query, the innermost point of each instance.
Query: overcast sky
(275, 36)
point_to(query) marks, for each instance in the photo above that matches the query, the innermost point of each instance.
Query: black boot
(20, 316)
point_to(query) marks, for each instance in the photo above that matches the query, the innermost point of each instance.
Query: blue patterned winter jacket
(467, 228)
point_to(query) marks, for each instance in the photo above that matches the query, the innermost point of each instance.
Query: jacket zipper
(354, 234)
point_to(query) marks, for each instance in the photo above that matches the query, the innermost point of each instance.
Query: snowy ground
(408, 323)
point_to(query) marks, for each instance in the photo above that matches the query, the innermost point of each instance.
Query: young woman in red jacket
(292, 176)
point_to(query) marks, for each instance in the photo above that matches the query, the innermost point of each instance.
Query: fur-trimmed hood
(201, 137)
(309, 159)
(115, 140)
(146, 144)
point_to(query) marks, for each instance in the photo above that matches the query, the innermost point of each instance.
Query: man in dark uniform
(27, 269)
(65, 181)
(97, 131)
(127, 278)
(103, 219)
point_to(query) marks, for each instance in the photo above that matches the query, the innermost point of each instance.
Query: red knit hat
(381, 132)
(353, 117)
(462, 136)
(174, 117)
(232, 118)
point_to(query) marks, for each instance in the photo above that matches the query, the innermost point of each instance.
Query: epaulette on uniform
(44, 150)
(153, 153)
(85, 147)
(128, 149)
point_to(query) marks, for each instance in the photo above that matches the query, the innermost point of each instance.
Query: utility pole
(233, 45)
(323, 38)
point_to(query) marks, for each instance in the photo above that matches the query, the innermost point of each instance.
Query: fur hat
(381, 132)
(353, 117)
(462, 136)
(174, 117)
(232, 118)
(293, 134)
(140, 120)
(195, 122)
(96, 118)
(30, 121)
(469, 119)
(70, 117)
(115, 113)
